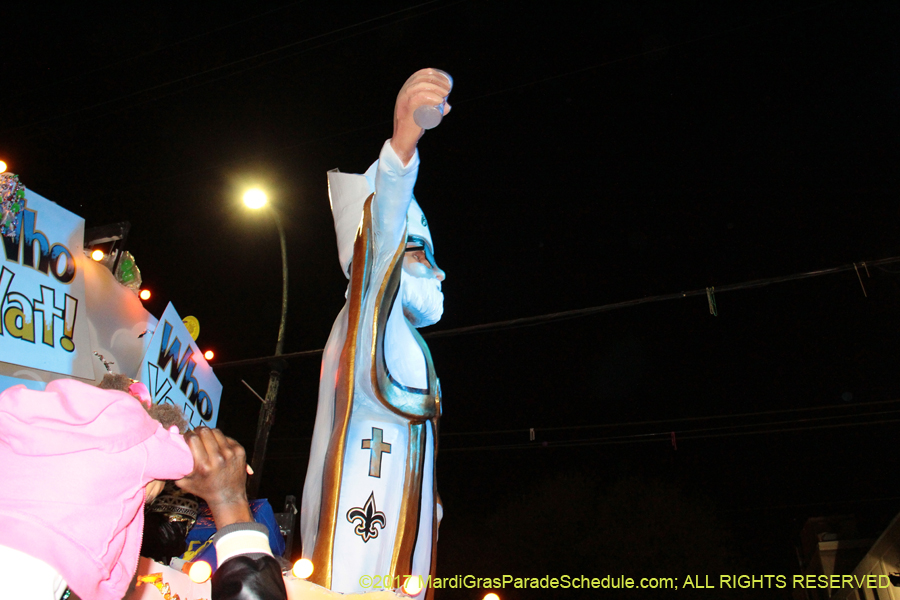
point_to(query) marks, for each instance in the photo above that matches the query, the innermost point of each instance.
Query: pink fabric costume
(74, 460)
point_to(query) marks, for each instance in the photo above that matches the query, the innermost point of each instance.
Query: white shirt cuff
(235, 542)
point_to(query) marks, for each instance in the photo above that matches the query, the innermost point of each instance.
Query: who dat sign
(42, 299)
(175, 372)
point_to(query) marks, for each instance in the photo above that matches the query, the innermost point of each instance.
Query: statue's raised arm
(428, 87)
(398, 163)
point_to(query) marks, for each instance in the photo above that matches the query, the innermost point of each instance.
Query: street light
(256, 199)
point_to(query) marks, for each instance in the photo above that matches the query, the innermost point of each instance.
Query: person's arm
(247, 570)
(219, 475)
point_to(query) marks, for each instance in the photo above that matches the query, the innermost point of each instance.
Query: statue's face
(416, 262)
(423, 301)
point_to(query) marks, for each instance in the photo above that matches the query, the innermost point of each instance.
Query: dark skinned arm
(220, 478)
(219, 475)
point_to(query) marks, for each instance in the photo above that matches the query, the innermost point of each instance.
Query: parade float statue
(370, 504)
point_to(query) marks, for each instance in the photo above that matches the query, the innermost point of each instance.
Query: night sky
(595, 154)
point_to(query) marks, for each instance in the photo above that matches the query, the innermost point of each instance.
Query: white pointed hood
(347, 193)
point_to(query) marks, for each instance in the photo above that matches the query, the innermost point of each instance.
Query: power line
(639, 440)
(526, 430)
(593, 310)
(660, 438)
(148, 52)
(584, 312)
(675, 420)
(769, 427)
(810, 504)
(233, 63)
(765, 427)
(457, 102)
(645, 53)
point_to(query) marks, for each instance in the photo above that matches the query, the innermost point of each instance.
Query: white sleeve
(394, 183)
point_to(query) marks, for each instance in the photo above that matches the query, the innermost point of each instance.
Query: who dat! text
(18, 311)
(180, 367)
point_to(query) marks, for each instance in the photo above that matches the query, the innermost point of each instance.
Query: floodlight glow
(208, 355)
(491, 596)
(200, 571)
(413, 585)
(97, 255)
(303, 568)
(2, 167)
(255, 198)
(145, 294)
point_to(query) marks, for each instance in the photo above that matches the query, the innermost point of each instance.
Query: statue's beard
(423, 301)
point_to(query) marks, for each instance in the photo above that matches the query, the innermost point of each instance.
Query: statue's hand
(425, 87)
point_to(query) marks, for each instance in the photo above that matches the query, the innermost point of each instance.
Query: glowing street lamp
(209, 354)
(97, 255)
(256, 199)
(145, 294)
(2, 167)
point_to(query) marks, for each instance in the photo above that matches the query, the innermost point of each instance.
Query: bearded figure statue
(370, 504)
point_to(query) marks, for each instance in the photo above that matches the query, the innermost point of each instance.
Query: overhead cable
(193, 76)
(760, 428)
(24, 92)
(675, 420)
(659, 438)
(593, 310)
(641, 439)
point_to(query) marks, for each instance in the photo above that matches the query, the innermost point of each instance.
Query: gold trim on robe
(417, 406)
(343, 404)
